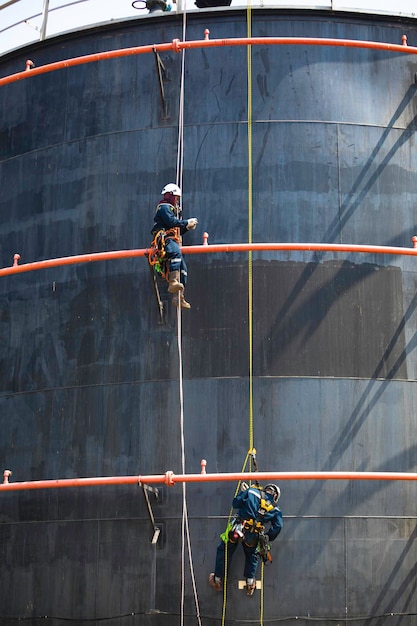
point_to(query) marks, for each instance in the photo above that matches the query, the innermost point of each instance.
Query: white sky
(87, 12)
(64, 18)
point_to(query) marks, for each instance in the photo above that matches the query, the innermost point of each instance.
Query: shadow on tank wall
(317, 319)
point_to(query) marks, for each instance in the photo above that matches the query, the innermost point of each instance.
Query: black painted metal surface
(89, 379)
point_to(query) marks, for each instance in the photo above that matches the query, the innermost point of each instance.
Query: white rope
(180, 151)
(185, 525)
(185, 534)
(179, 335)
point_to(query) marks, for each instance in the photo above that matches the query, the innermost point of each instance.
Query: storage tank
(305, 353)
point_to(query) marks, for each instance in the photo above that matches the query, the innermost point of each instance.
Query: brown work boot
(174, 282)
(183, 302)
(215, 582)
(250, 586)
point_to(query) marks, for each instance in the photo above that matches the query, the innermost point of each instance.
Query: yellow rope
(224, 585)
(250, 269)
(261, 611)
(250, 174)
(225, 547)
(250, 301)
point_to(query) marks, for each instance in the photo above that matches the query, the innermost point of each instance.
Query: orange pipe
(320, 247)
(206, 249)
(170, 479)
(71, 260)
(176, 46)
(89, 58)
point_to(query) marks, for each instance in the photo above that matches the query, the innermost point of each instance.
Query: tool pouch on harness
(234, 531)
(225, 536)
(264, 548)
(252, 529)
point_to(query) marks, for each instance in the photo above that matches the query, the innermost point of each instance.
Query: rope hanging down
(233, 523)
(251, 455)
(252, 451)
(185, 530)
(225, 538)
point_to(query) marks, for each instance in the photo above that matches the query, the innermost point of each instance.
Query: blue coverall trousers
(175, 259)
(251, 558)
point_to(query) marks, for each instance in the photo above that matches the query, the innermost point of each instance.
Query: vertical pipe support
(44, 20)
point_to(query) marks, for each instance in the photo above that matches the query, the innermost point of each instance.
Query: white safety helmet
(274, 490)
(172, 188)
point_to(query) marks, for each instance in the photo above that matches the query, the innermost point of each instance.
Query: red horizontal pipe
(72, 260)
(89, 58)
(205, 249)
(170, 479)
(176, 46)
(319, 247)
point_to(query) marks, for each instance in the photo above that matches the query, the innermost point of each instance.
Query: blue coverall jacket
(165, 219)
(251, 507)
(248, 503)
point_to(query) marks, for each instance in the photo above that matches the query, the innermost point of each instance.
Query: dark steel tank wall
(89, 379)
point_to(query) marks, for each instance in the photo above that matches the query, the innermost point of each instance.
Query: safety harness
(156, 256)
(238, 527)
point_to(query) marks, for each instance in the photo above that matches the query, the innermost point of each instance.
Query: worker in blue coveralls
(257, 507)
(168, 219)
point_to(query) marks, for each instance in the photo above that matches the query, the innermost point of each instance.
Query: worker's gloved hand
(244, 486)
(192, 223)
